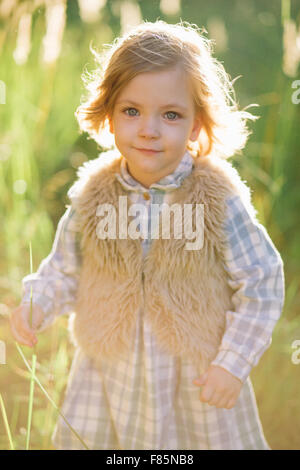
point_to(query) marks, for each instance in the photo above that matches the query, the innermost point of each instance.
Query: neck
(144, 179)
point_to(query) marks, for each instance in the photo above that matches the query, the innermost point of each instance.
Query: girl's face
(155, 111)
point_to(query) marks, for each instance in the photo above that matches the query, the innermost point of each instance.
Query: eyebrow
(170, 105)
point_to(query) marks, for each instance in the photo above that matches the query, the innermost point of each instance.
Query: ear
(196, 128)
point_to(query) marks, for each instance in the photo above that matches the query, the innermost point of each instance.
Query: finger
(206, 394)
(215, 399)
(230, 404)
(36, 322)
(21, 325)
(21, 339)
(31, 321)
(222, 402)
(201, 380)
(37, 318)
(20, 329)
(218, 399)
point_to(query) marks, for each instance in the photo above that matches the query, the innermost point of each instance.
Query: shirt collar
(167, 183)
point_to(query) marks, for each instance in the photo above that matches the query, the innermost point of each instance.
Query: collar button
(146, 196)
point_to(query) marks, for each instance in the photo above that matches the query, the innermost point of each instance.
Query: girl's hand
(20, 327)
(221, 388)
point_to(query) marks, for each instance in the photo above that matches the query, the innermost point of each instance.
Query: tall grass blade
(6, 423)
(30, 406)
(31, 271)
(50, 399)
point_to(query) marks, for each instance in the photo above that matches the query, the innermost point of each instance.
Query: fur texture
(185, 293)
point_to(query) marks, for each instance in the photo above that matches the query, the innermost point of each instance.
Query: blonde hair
(160, 46)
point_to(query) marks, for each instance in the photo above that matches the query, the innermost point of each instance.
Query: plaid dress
(148, 400)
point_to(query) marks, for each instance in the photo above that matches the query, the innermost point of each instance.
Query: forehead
(169, 86)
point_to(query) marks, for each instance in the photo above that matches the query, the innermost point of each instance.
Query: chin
(150, 168)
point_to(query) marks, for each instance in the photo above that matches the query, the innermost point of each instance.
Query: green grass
(6, 424)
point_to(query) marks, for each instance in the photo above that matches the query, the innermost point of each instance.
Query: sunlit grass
(34, 378)
(30, 403)
(7, 428)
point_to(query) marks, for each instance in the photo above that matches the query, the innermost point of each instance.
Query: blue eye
(129, 109)
(172, 112)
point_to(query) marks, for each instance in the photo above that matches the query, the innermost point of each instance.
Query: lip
(149, 151)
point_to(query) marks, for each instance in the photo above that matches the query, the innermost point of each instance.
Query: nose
(149, 128)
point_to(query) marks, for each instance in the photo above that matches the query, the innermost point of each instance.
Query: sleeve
(256, 274)
(54, 285)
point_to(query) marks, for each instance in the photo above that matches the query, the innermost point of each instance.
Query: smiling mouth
(148, 150)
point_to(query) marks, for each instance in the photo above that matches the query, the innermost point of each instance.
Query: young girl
(165, 336)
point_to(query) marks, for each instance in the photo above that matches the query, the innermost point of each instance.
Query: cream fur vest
(183, 294)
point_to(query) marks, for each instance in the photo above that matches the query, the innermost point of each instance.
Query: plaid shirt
(148, 400)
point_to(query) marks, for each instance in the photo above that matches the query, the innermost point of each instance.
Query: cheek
(175, 134)
(125, 130)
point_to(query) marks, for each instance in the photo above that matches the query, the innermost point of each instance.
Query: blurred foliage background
(44, 48)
